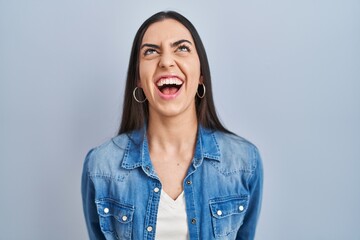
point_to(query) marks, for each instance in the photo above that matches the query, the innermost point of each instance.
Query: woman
(173, 172)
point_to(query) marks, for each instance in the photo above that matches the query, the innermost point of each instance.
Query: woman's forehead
(166, 30)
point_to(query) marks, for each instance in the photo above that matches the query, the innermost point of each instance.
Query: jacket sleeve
(247, 230)
(88, 200)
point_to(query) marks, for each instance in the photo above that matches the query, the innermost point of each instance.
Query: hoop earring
(204, 91)
(134, 95)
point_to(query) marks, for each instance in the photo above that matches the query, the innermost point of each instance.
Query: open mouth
(169, 86)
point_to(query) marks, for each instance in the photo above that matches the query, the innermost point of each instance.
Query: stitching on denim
(128, 166)
(108, 176)
(242, 196)
(195, 212)
(127, 207)
(209, 156)
(255, 160)
(126, 155)
(216, 221)
(227, 173)
(113, 201)
(216, 144)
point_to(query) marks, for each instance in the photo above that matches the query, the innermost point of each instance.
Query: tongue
(169, 90)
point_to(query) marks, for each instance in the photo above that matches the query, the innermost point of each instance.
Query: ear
(201, 80)
(138, 84)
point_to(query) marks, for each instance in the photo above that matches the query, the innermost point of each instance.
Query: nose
(166, 60)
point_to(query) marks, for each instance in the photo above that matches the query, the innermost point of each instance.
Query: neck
(172, 134)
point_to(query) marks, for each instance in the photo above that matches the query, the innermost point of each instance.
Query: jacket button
(219, 212)
(241, 208)
(124, 218)
(149, 228)
(156, 189)
(106, 210)
(193, 221)
(188, 182)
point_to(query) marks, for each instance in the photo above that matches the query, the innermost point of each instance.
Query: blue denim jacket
(223, 188)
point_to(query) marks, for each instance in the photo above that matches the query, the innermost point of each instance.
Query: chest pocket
(228, 214)
(116, 219)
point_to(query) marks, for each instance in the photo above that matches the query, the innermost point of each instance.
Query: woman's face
(169, 69)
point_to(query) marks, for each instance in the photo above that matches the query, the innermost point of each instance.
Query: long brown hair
(135, 114)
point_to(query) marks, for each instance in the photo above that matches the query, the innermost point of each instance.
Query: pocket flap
(108, 207)
(226, 206)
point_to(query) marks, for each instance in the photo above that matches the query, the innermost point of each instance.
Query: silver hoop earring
(203, 92)
(134, 95)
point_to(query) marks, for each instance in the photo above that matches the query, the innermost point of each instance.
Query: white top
(171, 218)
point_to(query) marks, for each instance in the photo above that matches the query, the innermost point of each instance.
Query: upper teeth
(167, 81)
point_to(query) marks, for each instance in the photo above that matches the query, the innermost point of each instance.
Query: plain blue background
(286, 76)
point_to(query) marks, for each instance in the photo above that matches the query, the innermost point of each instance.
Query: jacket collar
(137, 150)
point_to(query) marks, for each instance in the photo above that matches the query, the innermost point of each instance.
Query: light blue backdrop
(286, 76)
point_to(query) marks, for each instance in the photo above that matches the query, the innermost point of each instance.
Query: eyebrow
(150, 45)
(175, 44)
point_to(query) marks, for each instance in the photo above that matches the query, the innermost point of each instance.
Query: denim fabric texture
(223, 188)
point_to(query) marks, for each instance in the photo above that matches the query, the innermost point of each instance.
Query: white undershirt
(171, 218)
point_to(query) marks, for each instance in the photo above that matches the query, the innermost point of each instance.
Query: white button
(219, 212)
(149, 228)
(124, 218)
(106, 210)
(156, 189)
(241, 208)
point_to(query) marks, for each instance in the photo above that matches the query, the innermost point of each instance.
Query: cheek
(145, 73)
(196, 67)
(142, 70)
(192, 69)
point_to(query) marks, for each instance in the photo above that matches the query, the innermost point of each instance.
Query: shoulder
(233, 142)
(102, 159)
(237, 153)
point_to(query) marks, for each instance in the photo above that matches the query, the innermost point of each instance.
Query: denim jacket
(222, 188)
